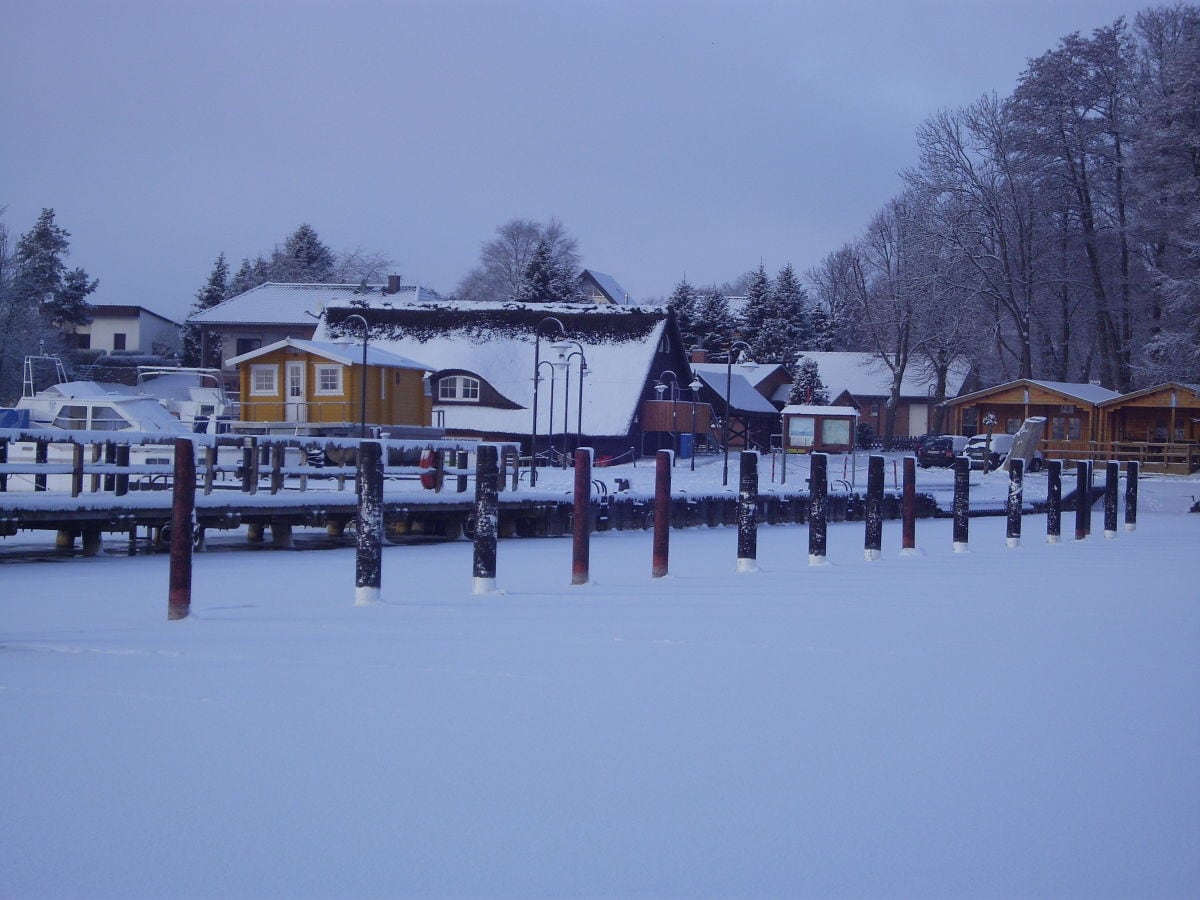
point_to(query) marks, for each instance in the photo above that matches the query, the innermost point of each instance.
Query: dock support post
(1083, 499)
(1053, 501)
(961, 506)
(873, 537)
(581, 534)
(662, 513)
(183, 515)
(1112, 474)
(1016, 499)
(250, 465)
(487, 489)
(818, 486)
(41, 453)
(121, 482)
(368, 560)
(747, 514)
(1132, 468)
(908, 506)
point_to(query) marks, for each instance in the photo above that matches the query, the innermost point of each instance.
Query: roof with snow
(347, 353)
(296, 304)
(496, 342)
(865, 375)
(1154, 389)
(607, 285)
(123, 311)
(743, 381)
(809, 409)
(1085, 393)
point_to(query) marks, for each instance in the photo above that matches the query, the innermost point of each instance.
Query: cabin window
(71, 418)
(105, 418)
(329, 379)
(264, 379)
(458, 387)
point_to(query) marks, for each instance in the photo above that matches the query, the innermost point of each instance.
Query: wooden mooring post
(368, 560)
(747, 513)
(1016, 499)
(873, 516)
(662, 513)
(1053, 501)
(961, 505)
(1083, 499)
(1132, 468)
(581, 530)
(1112, 475)
(487, 485)
(183, 518)
(908, 506)
(818, 504)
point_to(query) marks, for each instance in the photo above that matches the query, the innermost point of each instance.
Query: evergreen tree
(535, 286)
(714, 323)
(758, 300)
(215, 289)
(69, 305)
(682, 302)
(304, 259)
(41, 279)
(807, 387)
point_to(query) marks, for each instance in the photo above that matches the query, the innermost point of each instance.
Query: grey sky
(668, 137)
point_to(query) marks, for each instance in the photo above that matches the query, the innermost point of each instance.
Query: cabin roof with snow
(607, 287)
(495, 341)
(1087, 394)
(297, 304)
(743, 380)
(347, 353)
(865, 375)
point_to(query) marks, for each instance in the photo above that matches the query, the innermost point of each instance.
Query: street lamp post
(362, 407)
(725, 424)
(694, 387)
(537, 362)
(583, 368)
(660, 387)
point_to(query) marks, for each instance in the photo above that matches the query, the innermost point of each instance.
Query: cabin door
(294, 405)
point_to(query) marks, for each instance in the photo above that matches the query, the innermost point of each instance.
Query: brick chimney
(699, 355)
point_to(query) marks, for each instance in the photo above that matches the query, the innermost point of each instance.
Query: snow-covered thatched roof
(496, 342)
(865, 375)
(297, 304)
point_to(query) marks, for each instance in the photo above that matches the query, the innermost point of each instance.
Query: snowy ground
(999, 723)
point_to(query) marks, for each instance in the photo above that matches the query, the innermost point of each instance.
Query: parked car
(977, 451)
(940, 449)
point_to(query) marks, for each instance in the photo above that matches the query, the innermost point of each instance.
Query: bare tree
(504, 260)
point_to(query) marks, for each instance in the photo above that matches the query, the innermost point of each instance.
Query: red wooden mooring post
(662, 512)
(183, 514)
(908, 506)
(582, 521)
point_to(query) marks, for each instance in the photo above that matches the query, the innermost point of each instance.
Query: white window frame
(322, 369)
(462, 388)
(267, 371)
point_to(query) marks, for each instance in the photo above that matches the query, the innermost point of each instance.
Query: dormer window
(459, 387)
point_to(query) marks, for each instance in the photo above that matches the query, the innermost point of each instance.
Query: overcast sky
(668, 137)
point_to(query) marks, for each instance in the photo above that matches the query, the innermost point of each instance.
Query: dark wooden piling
(121, 482)
(873, 513)
(1016, 500)
(110, 458)
(183, 518)
(1053, 501)
(487, 488)
(818, 487)
(1112, 477)
(1083, 499)
(662, 513)
(581, 532)
(961, 505)
(908, 506)
(368, 560)
(460, 463)
(76, 469)
(747, 520)
(41, 453)
(250, 465)
(1132, 469)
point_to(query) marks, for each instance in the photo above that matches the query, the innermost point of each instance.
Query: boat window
(72, 418)
(105, 418)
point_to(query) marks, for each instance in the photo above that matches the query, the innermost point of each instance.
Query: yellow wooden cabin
(313, 385)
(1159, 426)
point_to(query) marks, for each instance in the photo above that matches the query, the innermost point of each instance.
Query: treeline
(1052, 234)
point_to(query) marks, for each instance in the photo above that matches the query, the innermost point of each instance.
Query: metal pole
(818, 487)
(537, 348)
(183, 515)
(747, 548)
(368, 561)
(487, 476)
(662, 513)
(582, 521)
(1016, 499)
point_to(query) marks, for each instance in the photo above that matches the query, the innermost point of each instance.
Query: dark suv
(939, 450)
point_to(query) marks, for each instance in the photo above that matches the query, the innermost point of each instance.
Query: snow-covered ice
(1001, 722)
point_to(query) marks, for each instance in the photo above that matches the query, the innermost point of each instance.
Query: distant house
(1167, 412)
(123, 328)
(600, 288)
(751, 389)
(482, 358)
(1071, 410)
(320, 383)
(863, 381)
(272, 312)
